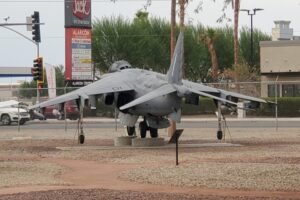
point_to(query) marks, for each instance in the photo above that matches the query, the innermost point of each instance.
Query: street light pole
(251, 31)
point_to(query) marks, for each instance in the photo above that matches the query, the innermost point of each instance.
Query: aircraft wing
(242, 96)
(106, 85)
(196, 88)
(211, 96)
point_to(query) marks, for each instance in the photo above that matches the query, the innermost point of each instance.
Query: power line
(61, 1)
(124, 36)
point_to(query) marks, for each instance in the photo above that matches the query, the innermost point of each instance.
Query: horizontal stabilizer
(163, 90)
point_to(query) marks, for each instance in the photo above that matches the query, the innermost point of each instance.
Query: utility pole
(251, 29)
(36, 36)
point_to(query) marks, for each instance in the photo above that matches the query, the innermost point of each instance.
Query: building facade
(280, 63)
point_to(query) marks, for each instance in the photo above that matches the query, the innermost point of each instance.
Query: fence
(273, 90)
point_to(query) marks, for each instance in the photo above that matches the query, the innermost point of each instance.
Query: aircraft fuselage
(146, 81)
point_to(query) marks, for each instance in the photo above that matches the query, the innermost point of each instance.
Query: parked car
(9, 113)
(52, 112)
(34, 114)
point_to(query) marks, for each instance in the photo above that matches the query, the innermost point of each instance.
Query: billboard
(78, 13)
(78, 54)
(78, 51)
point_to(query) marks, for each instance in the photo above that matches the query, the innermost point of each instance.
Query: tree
(28, 89)
(245, 40)
(173, 27)
(145, 43)
(182, 4)
(236, 8)
(236, 31)
(208, 37)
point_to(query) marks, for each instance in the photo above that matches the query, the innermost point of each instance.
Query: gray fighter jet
(154, 96)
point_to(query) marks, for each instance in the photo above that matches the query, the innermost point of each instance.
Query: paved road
(186, 123)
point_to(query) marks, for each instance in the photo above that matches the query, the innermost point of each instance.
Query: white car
(11, 113)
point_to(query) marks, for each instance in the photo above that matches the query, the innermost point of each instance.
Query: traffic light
(37, 70)
(35, 19)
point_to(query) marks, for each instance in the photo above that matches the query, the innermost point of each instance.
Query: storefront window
(288, 90)
(271, 90)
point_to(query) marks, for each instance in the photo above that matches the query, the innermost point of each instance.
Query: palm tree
(236, 7)
(208, 37)
(173, 26)
(236, 30)
(182, 4)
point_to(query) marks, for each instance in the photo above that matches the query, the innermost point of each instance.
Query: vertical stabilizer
(174, 74)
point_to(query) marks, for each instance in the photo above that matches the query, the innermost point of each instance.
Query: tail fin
(174, 74)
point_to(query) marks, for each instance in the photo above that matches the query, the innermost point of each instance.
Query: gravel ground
(219, 175)
(99, 194)
(14, 173)
(267, 160)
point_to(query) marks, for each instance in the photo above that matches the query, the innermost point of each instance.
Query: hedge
(287, 107)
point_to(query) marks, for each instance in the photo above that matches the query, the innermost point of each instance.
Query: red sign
(78, 13)
(78, 54)
(81, 8)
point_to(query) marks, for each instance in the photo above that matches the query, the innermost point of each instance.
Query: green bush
(206, 106)
(287, 107)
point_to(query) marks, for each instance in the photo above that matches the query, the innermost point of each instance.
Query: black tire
(5, 119)
(153, 132)
(130, 130)
(143, 129)
(22, 121)
(81, 139)
(220, 135)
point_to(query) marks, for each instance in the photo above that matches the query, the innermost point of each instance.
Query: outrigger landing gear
(81, 136)
(219, 132)
(220, 135)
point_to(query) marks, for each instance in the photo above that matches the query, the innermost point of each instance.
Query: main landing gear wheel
(22, 121)
(130, 130)
(143, 129)
(219, 135)
(153, 132)
(81, 139)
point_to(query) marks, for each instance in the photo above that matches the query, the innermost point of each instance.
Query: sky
(17, 52)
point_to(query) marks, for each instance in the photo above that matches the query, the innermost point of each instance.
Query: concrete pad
(148, 142)
(22, 138)
(123, 141)
(166, 146)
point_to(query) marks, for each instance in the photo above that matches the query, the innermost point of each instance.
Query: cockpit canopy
(118, 66)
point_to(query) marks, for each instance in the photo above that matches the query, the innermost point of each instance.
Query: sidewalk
(195, 119)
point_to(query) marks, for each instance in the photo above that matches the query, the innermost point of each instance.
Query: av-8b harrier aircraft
(154, 96)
